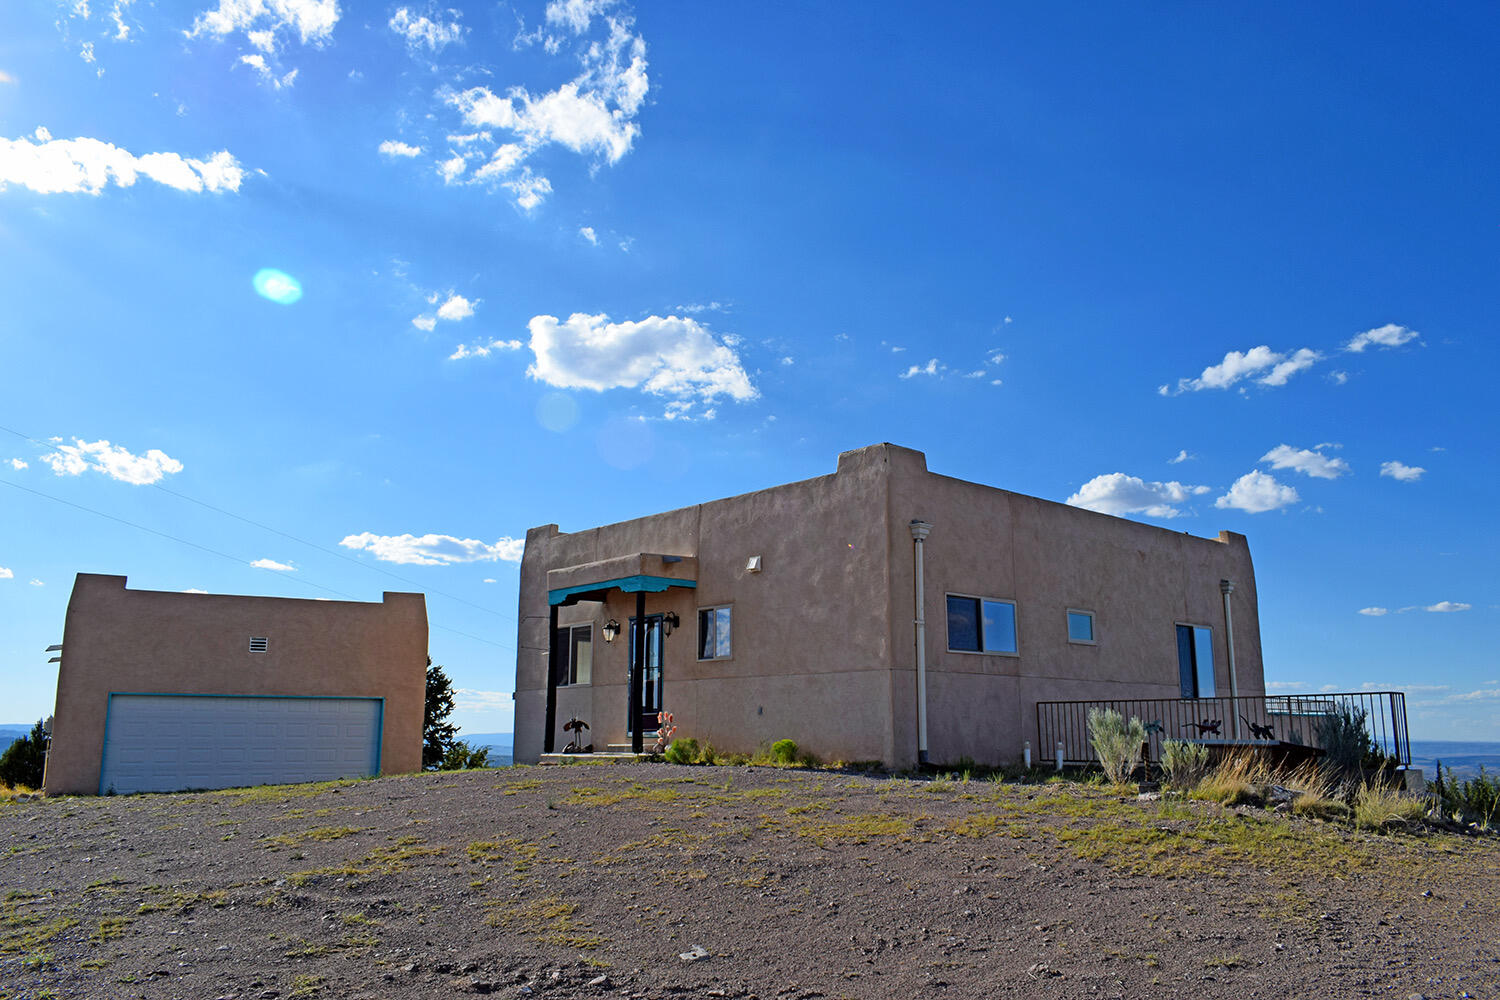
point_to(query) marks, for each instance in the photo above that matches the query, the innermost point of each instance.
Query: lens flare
(278, 286)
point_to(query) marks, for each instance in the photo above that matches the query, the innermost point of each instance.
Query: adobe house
(883, 612)
(162, 691)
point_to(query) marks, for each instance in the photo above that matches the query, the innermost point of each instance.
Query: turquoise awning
(629, 584)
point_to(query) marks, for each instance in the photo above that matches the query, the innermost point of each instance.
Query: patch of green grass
(860, 829)
(111, 927)
(1223, 962)
(307, 986)
(1378, 807)
(549, 921)
(322, 833)
(180, 900)
(281, 793)
(380, 861)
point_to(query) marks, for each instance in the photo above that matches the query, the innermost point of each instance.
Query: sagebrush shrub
(1117, 743)
(1183, 764)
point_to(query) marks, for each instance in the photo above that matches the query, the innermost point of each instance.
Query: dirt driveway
(597, 880)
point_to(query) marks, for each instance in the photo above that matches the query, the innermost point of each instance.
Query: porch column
(551, 679)
(637, 671)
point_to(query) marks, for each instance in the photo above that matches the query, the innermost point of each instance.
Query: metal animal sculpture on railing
(1260, 732)
(1208, 726)
(576, 725)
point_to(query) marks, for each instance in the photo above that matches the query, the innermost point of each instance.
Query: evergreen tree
(23, 762)
(438, 733)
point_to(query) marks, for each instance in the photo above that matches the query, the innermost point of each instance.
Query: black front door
(650, 677)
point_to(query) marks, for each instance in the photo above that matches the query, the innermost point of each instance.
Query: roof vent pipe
(1226, 587)
(919, 533)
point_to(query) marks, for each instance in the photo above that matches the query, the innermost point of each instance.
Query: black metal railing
(1272, 720)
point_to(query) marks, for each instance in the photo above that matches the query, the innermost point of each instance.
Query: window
(259, 643)
(575, 654)
(1195, 660)
(981, 625)
(1081, 626)
(713, 633)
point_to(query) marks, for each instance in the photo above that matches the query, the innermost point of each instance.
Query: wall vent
(259, 643)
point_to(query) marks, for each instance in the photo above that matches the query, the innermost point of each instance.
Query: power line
(204, 548)
(274, 531)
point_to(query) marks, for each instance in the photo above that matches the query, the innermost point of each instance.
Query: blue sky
(1202, 266)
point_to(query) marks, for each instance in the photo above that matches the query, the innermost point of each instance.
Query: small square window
(259, 643)
(714, 633)
(981, 625)
(1081, 627)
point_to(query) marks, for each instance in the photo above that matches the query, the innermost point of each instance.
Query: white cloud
(587, 232)
(193, 590)
(1117, 493)
(996, 357)
(483, 350)
(257, 62)
(272, 564)
(6, 77)
(424, 322)
(592, 114)
(6, 574)
(1375, 612)
(36, 582)
(1444, 607)
(1182, 456)
(452, 169)
(66, 166)
(19, 464)
(1256, 493)
(1278, 368)
(391, 147)
(662, 355)
(115, 462)
(1401, 472)
(489, 579)
(930, 368)
(1283, 370)
(1311, 463)
(576, 14)
(435, 550)
(419, 30)
(1338, 377)
(456, 308)
(695, 308)
(472, 700)
(1387, 336)
(311, 20)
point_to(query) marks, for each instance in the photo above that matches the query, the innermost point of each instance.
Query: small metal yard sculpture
(576, 725)
(1260, 732)
(1209, 726)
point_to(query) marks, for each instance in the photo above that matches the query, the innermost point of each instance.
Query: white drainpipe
(1226, 587)
(919, 532)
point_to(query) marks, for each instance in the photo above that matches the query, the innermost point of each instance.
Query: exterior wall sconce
(669, 621)
(611, 630)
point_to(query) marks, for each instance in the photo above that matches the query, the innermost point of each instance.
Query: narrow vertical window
(1195, 661)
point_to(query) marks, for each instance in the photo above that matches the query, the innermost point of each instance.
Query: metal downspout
(1226, 587)
(919, 533)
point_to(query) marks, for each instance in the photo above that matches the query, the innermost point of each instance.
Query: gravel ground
(653, 881)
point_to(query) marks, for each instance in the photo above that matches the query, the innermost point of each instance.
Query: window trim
(1015, 620)
(1093, 629)
(698, 648)
(566, 644)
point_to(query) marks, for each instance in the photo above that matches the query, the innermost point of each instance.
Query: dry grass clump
(1234, 781)
(1378, 806)
(1183, 764)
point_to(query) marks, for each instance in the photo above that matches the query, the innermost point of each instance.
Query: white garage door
(171, 742)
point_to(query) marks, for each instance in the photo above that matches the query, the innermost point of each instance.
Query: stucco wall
(119, 640)
(810, 657)
(1139, 580)
(824, 640)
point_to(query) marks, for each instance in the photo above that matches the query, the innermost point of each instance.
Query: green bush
(1116, 743)
(683, 750)
(460, 757)
(784, 752)
(1476, 800)
(24, 760)
(1347, 746)
(1183, 764)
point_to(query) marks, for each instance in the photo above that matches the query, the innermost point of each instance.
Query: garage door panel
(164, 742)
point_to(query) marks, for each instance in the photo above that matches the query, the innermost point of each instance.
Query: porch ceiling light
(611, 630)
(669, 621)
